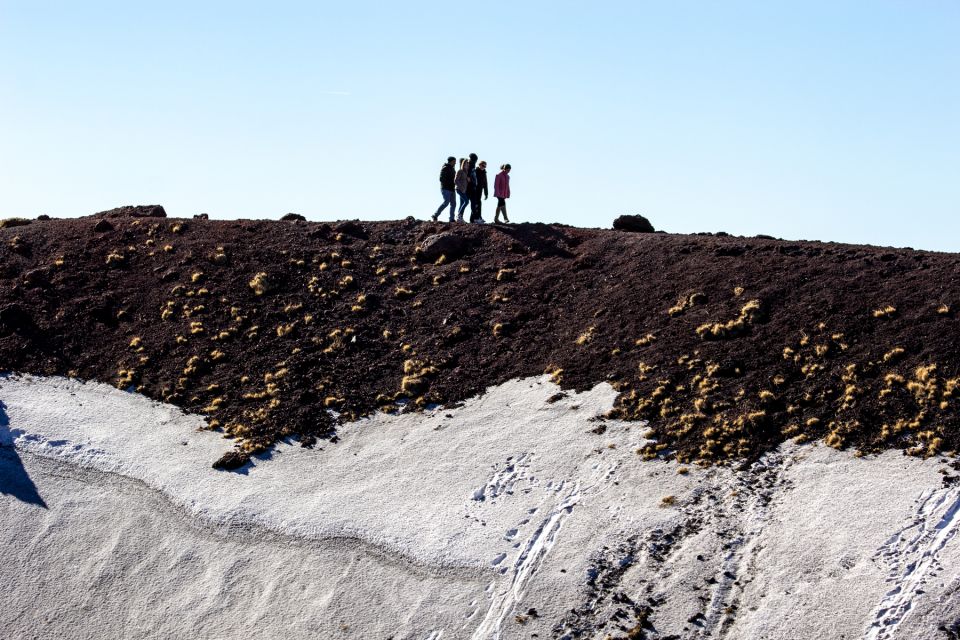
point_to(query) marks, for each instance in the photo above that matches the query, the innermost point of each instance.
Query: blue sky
(833, 120)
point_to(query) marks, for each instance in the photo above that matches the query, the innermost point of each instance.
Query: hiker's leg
(446, 201)
(451, 199)
(472, 194)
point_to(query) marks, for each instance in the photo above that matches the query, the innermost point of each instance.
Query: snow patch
(501, 518)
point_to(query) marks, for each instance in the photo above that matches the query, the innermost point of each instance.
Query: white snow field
(515, 515)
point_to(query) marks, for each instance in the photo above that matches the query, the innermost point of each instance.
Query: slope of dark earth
(728, 346)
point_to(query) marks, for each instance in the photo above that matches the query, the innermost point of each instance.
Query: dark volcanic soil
(728, 346)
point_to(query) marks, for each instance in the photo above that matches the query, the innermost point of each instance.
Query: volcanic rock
(36, 278)
(134, 211)
(231, 461)
(351, 228)
(14, 222)
(633, 224)
(447, 244)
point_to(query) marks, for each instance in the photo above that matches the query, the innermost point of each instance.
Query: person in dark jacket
(482, 188)
(472, 190)
(462, 182)
(447, 188)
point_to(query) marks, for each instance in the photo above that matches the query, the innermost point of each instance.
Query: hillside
(284, 329)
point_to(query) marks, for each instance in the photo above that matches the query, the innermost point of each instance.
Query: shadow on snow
(14, 479)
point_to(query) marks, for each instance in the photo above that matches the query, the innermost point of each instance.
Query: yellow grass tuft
(685, 303)
(748, 315)
(645, 340)
(894, 354)
(586, 336)
(887, 311)
(259, 283)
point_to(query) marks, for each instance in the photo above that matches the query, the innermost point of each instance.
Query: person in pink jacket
(501, 191)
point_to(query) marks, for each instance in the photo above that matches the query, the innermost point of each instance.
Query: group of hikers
(470, 182)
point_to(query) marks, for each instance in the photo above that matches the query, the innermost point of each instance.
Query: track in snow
(535, 549)
(913, 556)
(733, 509)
